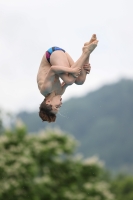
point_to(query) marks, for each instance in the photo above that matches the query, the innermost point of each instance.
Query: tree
(122, 187)
(38, 167)
(6, 120)
(1, 123)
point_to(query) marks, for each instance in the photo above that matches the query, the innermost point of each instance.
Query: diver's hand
(87, 68)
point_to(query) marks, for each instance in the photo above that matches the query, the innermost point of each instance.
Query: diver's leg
(82, 77)
(59, 58)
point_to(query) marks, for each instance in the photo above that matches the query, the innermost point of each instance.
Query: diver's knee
(81, 82)
(69, 82)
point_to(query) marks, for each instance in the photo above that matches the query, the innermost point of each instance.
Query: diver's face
(56, 103)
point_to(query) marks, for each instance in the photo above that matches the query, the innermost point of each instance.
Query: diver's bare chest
(56, 86)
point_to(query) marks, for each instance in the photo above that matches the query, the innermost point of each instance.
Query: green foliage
(1, 123)
(122, 187)
(6, 119)
(38, 167)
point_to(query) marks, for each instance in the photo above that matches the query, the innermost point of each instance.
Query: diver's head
(49, 108)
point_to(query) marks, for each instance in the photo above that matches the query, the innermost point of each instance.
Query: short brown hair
(45, 112)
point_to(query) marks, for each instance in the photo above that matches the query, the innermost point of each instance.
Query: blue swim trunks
(51, 50)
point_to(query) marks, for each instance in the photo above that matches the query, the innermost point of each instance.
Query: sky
(29, 27)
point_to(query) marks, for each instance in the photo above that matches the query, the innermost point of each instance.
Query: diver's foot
(90, 47)
(93, 38)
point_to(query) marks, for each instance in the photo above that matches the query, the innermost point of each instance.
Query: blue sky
(29, 28)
